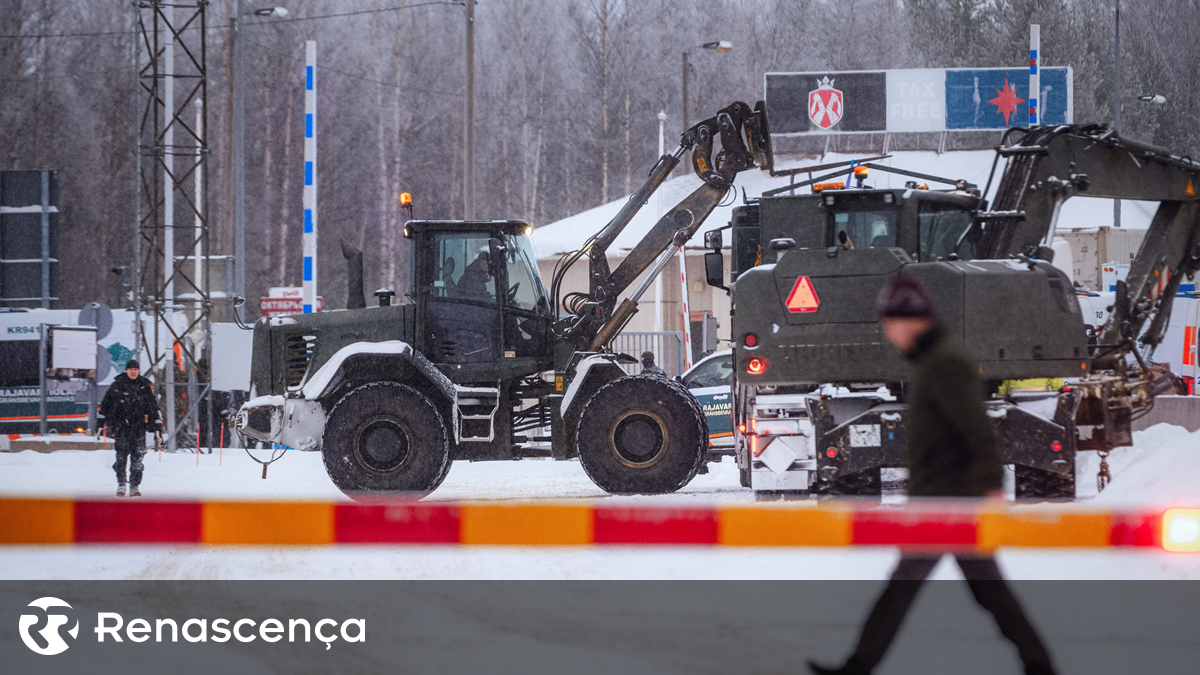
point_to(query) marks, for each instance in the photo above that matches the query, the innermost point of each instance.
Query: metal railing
(667, 347)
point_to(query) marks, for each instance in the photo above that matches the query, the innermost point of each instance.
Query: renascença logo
(55, 644)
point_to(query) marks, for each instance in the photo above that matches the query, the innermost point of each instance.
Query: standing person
(952, 452)
(130, 410)
(648, 367)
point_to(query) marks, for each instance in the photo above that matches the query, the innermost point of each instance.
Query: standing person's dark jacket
(129, 406)
(952, 447)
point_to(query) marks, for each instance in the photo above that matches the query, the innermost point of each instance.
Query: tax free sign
(927, 99)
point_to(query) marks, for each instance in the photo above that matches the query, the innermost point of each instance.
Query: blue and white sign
(929, 99)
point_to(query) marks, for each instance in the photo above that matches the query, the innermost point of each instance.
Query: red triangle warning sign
(803, 297)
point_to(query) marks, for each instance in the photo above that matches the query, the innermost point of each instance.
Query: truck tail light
(751, 340)
(756, 366)
(1056, 446)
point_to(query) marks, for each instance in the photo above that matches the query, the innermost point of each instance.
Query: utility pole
(239, 156)
(469, 142)
(1117, 96)
(685, 92)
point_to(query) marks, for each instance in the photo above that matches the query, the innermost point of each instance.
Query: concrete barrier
(1183, 411)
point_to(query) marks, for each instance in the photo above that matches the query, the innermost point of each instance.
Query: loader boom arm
(595, 319)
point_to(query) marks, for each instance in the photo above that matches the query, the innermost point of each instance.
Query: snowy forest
(567, 98)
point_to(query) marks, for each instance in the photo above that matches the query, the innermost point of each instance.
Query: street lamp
(720, 47)
(239, 145)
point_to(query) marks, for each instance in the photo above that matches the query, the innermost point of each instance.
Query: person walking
(130, 410)
(952, 452)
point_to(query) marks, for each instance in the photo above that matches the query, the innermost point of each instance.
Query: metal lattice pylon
(173, 287)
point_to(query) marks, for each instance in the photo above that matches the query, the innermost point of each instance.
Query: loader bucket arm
(745, 143)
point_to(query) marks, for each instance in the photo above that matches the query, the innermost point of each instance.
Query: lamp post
(239, 145)
(721, 47)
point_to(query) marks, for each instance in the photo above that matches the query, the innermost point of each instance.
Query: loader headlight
(1181, 530)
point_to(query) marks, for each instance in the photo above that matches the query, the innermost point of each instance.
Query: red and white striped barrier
(982, 527)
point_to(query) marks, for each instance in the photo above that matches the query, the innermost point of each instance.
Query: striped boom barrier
(949, 527)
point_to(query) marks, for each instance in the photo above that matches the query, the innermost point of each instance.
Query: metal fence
(667, 347)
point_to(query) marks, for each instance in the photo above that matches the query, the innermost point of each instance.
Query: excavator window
(865, 229)
(940, 229)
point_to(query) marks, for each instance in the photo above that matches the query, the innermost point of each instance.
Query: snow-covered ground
(1162, 468)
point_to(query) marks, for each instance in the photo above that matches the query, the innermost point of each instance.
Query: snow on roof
(569, 233)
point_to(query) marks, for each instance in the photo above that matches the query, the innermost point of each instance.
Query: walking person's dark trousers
(986, 585)
(131, 448)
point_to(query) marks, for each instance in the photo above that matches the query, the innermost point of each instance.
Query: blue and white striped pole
(1035, 37)
(309, 292)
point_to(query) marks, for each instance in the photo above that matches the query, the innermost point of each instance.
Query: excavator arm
(1048, 165)
(595, 319)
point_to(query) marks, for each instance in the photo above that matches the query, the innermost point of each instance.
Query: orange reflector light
(860, 171)
(754, 446)
(751, 340)
(828, 186)
(753, 425)
(742, 428)
(756, 366)
(405, 199)
(1181, 530)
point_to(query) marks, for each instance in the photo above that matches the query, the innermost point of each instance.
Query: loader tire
(385, 439)
(1038, 485)
(642, 435)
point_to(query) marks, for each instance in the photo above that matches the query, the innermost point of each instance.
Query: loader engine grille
(300, 350)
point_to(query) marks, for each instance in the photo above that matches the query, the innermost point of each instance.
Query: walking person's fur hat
(905, 297)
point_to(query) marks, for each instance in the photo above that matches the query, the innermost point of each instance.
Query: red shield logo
(825, 104)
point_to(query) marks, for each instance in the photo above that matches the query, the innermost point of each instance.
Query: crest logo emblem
(825, 104)
(55, 644)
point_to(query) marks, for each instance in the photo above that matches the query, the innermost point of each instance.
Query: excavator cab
(482, 311)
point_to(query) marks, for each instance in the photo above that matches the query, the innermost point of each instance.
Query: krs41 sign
(285, 306)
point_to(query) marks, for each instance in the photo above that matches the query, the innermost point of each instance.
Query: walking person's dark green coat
(952, 445)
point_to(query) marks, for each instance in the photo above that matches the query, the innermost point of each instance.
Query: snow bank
(973, 165)
(1162, 468)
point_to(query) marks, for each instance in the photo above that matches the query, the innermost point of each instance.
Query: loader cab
(482, 311)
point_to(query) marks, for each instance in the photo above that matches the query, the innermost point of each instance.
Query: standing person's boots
(121, 489)
(135, 492)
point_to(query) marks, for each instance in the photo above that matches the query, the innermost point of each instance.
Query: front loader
(481, 363)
